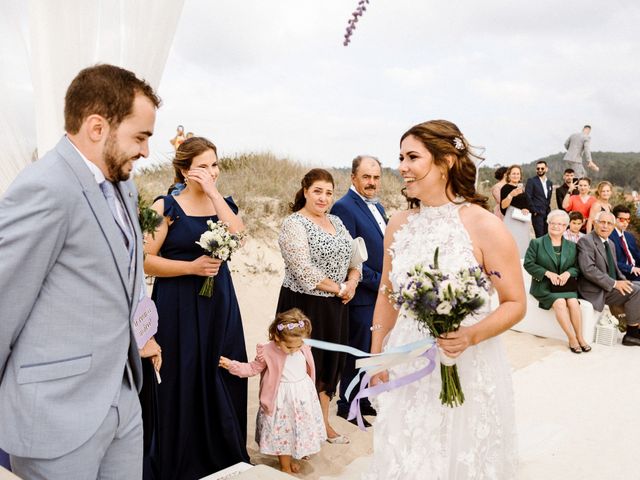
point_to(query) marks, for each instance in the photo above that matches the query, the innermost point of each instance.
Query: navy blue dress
(201, 410)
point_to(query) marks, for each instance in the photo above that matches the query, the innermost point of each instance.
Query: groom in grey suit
(70, 280)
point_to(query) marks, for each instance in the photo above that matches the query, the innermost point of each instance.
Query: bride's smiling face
(421, 175)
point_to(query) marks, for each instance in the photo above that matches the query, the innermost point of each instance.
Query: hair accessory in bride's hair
(290, 326)
(458, 143)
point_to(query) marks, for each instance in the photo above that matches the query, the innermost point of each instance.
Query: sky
(516, 77)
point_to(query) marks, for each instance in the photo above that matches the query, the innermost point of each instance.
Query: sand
(576, 414)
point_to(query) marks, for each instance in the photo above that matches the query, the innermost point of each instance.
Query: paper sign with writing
(145, 321)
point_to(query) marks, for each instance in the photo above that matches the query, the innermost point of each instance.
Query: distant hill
(621, 169)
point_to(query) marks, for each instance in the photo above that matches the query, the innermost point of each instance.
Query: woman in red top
(579, 203)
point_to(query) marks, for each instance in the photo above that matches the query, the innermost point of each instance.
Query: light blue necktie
(109, 192)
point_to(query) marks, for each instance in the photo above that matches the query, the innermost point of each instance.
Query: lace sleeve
(342, 231)
(294, 246)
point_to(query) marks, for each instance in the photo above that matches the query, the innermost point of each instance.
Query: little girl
(290, 422)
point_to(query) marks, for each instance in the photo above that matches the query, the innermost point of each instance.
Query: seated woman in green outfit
(552, 262)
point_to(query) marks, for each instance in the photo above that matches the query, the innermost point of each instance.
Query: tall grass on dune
(263, 185)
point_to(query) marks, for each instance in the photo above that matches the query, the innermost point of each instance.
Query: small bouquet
(219, 243)
(148, 218)
(440, 302)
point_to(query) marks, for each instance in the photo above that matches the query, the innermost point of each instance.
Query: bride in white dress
(415, 436)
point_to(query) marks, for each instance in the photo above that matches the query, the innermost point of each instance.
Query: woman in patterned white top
(316, 248)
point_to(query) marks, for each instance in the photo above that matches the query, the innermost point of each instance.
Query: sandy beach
(575, 413)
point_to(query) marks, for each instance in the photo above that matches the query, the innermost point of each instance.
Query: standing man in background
(568, 179)
(538, 191)
(71, 277)
(362, 214)
(578, 146)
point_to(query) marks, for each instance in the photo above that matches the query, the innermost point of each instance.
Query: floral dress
(415, 436)
(296, 427)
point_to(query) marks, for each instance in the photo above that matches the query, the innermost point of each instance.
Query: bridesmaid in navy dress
(201, 410)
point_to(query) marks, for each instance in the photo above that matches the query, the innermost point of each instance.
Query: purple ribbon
(370, 392)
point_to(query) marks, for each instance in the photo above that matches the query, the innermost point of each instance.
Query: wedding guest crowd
(552, 262)
(601, 282)
(188, 419)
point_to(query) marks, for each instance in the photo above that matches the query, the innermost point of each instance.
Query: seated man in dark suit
(627, 251)
(602, 282)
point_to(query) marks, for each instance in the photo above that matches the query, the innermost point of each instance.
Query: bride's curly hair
(443, 138)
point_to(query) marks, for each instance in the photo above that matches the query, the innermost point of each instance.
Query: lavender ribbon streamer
(370, 392)
(365, 390)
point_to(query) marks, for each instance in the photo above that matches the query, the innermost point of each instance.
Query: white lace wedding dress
(415, 437)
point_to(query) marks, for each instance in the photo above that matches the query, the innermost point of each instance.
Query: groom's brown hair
(104, 90)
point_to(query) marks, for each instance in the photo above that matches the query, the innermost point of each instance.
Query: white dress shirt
(374, 211)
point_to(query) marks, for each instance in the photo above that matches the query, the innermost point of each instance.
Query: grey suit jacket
(65, 306)
(595, 279)
(578, 146)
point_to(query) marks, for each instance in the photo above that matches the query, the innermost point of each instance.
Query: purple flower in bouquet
(351, 24)
(220, 244)
(440, 302)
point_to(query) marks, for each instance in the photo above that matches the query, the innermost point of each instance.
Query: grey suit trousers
(114, 452)
(631, 302)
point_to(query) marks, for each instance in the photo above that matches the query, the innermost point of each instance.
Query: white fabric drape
(68, 35)
(17, 128)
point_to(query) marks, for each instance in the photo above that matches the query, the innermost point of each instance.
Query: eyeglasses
(539, 169)
(624, 220)
(554, 224)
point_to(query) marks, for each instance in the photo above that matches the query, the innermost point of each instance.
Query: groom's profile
(70, 278)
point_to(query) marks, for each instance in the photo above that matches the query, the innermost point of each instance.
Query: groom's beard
(119, 164)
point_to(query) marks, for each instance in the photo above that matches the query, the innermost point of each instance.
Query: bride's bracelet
(375, 326)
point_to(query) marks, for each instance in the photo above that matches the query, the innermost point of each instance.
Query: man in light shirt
(362, 214)
(538, 191)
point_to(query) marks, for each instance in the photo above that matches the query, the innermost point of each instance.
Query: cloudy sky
(517, 77)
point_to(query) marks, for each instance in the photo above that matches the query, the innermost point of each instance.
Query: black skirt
(329, 322)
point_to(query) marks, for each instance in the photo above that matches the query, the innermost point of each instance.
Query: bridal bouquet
(220, 243)
(440, 302)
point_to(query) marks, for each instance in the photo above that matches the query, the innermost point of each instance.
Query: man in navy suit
(364, 217)
(538, 191)
(627, 252)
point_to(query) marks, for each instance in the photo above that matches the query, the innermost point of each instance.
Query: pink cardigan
(270, 363)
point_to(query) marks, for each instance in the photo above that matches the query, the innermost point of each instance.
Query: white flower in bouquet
(220, 244)
(439, 302)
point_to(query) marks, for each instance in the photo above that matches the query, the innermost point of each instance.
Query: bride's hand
(453, 344)
(378, 378)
